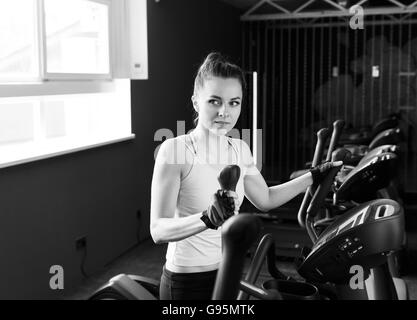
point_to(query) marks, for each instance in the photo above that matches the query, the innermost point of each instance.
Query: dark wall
(181, 33)
(46, 205)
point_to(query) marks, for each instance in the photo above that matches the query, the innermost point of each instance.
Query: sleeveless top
(202, 251)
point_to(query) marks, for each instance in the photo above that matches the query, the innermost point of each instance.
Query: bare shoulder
(246, 157)
(173, 151)
(243, 147)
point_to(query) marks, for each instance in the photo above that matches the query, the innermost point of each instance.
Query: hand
(319, 172)
(230, 200)
(224, 205)
(342, 174)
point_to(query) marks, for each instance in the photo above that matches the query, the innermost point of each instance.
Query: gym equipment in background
(362, 236)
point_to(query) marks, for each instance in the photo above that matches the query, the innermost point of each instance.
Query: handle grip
(322, 191)
(229, 177)
(322, 136)
(338, 126)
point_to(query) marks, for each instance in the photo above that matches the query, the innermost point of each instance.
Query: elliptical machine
(362, 236)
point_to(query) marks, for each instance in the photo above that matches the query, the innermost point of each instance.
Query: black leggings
(186, 286)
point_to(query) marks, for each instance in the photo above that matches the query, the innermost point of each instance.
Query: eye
(235, 103)
(215, 102)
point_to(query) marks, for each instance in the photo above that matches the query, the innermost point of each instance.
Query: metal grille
(311, 74)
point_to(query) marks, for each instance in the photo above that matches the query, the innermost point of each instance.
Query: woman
(185, 212)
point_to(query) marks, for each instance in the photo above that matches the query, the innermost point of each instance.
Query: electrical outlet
(81, 243)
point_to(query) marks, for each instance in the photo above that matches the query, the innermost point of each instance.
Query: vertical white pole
(255, 117)
(41, 39)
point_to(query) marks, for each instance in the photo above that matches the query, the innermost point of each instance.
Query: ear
(195, 103)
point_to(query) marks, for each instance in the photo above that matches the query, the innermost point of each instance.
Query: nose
(223, 113)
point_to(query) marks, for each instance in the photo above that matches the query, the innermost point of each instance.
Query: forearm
(174, 229)
(282, 193)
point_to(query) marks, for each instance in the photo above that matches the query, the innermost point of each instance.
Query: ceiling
(317, 5)
(241, 4)
(288, 4)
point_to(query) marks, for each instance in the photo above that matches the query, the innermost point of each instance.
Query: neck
(205, 137)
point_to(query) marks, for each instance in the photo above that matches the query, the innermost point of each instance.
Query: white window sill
(20, 154)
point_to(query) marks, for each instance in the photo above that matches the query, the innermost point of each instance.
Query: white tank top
(200, 252)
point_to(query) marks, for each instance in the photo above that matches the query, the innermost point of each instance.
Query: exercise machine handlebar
(338, 126)
(238, 234)
(229, 177)
(321, 193)
(322, 136)
(265, 249)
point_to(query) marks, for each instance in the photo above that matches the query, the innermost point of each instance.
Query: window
(71, 40)
(77, 37)
(54, 39)
(65, 70)
(39, 127)
(18, 41)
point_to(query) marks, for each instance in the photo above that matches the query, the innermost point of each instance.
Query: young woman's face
(218, 104)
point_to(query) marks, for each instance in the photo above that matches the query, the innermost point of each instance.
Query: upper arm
(256, 189)
(165, 182)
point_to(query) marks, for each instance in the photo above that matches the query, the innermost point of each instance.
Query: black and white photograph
(178, 152)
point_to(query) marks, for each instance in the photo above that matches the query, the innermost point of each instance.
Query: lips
(221, 122)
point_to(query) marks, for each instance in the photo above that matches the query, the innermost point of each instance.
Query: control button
(352, 253)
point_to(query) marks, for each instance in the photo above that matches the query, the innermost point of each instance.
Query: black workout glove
(320, 172)
(221, 209)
